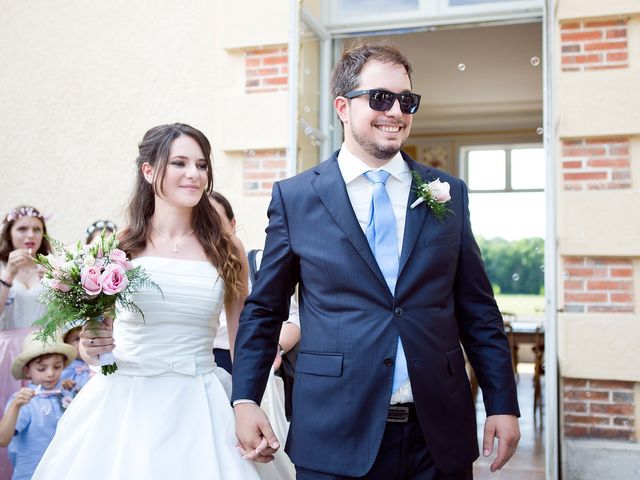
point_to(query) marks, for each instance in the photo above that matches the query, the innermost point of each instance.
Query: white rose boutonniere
(435, 194)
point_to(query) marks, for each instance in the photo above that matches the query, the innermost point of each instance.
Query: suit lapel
(332, 191)
(415, 217)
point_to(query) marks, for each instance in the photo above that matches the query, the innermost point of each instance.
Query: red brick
(574, 164)
(584, 152)
(573, 142)
(605, 23)
(276, 81)
(624, 422)
(622, 298)
(621, 175)
(609, 285)
(617, 56)
(586, 395)
(617, 33)
(275, 60)
(582, 35)
(575, 407)
(252, 62)
(575, 48)
(608, 309)
(260, 175)
(618, 149)
(581, 58)
(569, 25)
(275, 163)
(574, 382)
(261, 72)
(585, 272)
(608, 163)
(611, 433)
(585, 176)
(591, 47)
(576, 431)
(574, 261)
(574, 285)
(622, 272)
(571, 69)
(586, 420)
(611, 409)
(606, 67)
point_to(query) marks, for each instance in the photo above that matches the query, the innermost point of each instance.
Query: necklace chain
(177, 242)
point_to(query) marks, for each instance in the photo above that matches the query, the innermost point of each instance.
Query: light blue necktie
(382, 237)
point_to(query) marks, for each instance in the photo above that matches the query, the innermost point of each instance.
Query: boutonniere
(435, 194)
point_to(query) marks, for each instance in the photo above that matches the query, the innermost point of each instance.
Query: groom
(389, 291)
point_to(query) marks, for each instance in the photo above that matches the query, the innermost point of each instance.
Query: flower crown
(100, 225)
(17, 213)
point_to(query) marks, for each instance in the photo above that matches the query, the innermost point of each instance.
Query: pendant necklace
(177, 242)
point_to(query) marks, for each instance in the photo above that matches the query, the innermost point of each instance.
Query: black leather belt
(402, 413)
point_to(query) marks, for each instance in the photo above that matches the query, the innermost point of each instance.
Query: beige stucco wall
(83, 81)
(600, 222)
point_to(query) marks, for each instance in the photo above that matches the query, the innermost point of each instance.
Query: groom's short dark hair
(346, 73)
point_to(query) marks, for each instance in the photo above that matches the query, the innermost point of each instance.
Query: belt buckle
(398, 414)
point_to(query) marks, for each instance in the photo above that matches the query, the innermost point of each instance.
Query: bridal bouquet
(85, 283)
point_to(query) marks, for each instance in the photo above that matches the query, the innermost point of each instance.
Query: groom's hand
(506, 428)
(256, 439)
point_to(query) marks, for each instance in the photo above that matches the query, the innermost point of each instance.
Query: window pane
(487, 170)
(527, 168)
(501, 214)
(375, 7)
(458, 3)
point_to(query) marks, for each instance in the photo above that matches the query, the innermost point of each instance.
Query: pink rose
(119, 257)
(90, 280)
(114, 279)
(440, 191)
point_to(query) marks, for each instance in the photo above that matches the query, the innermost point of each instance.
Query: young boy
(32, 413)
(78, 373)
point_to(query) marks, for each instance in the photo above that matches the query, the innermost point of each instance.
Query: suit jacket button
(388, 362)
(397, 312)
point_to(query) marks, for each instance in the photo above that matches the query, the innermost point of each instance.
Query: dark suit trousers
(403, 455)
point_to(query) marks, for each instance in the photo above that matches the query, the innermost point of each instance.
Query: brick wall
(599, 409)
(595, 285)
(266, 69)
(261, 168)
(594, 44)
(596, 163)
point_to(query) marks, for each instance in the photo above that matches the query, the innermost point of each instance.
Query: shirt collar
(351, 167)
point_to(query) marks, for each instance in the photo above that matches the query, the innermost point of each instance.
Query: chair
(538, 370)
(508, 319)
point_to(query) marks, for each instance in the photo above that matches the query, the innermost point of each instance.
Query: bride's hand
(97, 338)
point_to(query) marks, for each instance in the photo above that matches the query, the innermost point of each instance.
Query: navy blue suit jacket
(350, 323)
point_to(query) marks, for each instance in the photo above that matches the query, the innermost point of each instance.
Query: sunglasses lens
(380, 100)
(409, 102)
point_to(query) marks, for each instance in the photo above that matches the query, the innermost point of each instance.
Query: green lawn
(521, 305)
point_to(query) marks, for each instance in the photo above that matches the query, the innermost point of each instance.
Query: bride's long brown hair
(206, 224)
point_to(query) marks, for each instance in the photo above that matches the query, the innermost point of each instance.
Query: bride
(165, 413)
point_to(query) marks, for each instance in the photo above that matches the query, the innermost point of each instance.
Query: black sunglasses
(383, 100)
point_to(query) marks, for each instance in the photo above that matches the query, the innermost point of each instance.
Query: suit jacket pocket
(325, 364)
(456, 360)
(447, 239)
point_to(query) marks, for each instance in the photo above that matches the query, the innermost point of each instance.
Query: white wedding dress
(165, 413)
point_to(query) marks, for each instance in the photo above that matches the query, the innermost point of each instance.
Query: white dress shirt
(360, 190)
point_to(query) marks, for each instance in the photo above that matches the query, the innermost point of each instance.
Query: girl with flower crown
(21, 239)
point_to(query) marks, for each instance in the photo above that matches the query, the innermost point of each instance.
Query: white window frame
(508, 148)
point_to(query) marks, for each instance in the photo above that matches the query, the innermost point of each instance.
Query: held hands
(507, 430)
(256, 440)
(97, 338)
